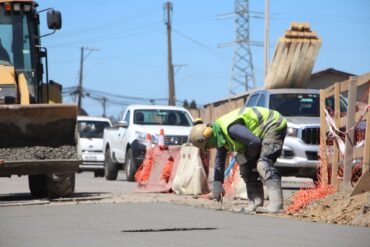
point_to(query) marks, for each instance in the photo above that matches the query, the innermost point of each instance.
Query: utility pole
(79, 88)
(171, 79)
(104, 103)
(267, 36)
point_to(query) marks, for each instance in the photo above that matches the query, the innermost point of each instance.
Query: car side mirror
(54, 19)
(123, 124)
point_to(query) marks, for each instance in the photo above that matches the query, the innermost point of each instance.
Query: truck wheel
(60, 185)
(110, 169)
(130, 166)
(37, 185)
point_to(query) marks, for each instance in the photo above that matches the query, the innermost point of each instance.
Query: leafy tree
(185, 104)
(193, 105)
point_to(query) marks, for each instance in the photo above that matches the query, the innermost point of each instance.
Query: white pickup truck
(125, 145)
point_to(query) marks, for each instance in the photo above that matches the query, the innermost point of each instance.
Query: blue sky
(130, 49)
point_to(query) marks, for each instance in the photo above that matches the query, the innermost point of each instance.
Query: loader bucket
(50, 125)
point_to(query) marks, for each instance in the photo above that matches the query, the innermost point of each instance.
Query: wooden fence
(214, 110)
(347, 124)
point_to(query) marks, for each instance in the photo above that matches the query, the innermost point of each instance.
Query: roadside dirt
(338, 209)
(334, 209)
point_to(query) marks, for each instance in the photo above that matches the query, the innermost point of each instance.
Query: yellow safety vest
(257, 119)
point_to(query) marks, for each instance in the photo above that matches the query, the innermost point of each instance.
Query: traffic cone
(148, 140)
(161, 143)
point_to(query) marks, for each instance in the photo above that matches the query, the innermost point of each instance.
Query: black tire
(130, 166)
(60, 185)
(37, 185)
(110, 168)
(99, 173)
(315, 179)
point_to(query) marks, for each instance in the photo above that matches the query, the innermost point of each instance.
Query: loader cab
(20, 51)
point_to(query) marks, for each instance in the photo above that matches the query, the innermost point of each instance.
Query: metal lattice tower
(242, 74)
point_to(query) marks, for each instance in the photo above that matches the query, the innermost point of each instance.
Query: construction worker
(256, 134)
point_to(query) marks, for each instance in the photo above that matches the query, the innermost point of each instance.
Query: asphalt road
(161, 224)
(151, 223)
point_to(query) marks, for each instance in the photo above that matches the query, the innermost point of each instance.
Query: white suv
(125, 144)
(91, 131)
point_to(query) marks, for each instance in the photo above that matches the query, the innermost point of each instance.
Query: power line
(115, 99)
(213, 51)
(104, 37)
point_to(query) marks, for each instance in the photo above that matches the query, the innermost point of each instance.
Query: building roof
(332, 71)
(313, 75)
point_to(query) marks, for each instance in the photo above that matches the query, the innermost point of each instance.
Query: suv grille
(311, 136)
(175, 140)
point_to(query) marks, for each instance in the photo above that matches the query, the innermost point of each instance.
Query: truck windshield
(92, 129)
(303, 105)
(162, 117)
(15, 48)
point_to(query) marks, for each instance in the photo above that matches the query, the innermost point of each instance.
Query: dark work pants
(272, 145)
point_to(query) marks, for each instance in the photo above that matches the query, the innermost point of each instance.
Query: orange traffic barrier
(158, 169)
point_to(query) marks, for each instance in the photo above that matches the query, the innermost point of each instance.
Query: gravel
(38, 153)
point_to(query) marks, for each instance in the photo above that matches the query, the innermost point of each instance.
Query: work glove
(218, 191)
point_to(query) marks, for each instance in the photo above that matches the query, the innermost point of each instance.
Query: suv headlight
(292, 132)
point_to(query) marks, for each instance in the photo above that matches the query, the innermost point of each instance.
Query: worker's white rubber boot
(255, 196)
(275, 193)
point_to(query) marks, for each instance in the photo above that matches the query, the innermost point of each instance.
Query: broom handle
(232, 163)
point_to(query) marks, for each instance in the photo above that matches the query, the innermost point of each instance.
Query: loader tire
(37, 185)
(130, 167)
(110, 168)
(60, 185)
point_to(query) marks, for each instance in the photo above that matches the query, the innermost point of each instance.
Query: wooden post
(323, 128)
(366, 161)
(363, 184)
(334, 165)
(348, 155)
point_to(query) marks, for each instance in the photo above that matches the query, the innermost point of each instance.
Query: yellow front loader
(38, 134)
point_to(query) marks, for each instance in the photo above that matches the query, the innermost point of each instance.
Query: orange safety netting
(230, 181)
(167, 170)
(321, 187)
(305, 196)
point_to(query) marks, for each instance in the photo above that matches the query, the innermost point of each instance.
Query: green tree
(185, 104)
(193, 105)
